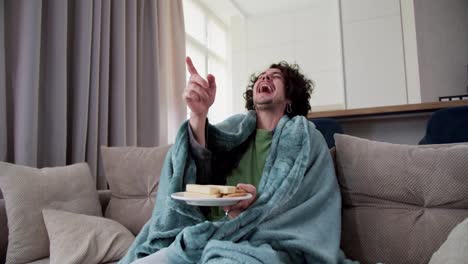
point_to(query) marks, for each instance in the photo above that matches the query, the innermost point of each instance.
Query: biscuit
(238, 190)
(201, 195)
(213, 191)
(224, 189)
(237, 194)
(205, 189)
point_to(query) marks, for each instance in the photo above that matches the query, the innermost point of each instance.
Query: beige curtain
(75, 75)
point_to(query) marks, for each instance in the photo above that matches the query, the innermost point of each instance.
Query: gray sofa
(400, 202)
(3, 230)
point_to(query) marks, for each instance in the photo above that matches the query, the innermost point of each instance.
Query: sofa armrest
(104, 198)
(3, 231)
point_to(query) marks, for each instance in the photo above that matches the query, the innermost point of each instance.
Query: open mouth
(265, 88)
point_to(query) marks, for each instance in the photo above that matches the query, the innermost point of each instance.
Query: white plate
(209, 201)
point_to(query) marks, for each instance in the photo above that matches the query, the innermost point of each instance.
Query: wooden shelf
(387, 110)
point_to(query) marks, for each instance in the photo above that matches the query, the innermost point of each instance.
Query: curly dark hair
(298, 88)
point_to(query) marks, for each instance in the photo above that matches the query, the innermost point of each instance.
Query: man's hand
(200, 93)
(237, 209)
(199, 96)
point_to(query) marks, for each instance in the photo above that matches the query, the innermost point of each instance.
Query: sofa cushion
(133, 176)
(77, 238)
(453, 250)
(29, 190)
(40, 261)
(399, 201)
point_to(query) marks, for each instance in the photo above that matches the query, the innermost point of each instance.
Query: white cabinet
(373, 53)
(360, 53)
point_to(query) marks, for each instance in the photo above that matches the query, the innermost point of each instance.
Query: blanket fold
(295, 219)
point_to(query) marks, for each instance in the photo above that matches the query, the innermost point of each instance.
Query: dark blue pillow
(448, 125)
(328, 127)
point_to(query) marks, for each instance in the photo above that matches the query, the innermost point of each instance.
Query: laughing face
(269, 90)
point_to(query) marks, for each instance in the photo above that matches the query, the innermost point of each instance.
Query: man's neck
(268, 120)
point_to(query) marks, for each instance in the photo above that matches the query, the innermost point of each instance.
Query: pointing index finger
(190, 67)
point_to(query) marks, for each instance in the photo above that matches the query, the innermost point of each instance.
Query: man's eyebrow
(278, 73)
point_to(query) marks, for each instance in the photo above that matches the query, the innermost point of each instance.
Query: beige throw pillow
(77, 238)
(455, 249)
(133, 176)
(29, 190)
(399, 201)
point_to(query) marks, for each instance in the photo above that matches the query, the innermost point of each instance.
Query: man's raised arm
(199, 95)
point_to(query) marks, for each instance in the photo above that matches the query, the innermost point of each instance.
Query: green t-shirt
(250, 166)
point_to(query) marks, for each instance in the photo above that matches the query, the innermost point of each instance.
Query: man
(272, 152)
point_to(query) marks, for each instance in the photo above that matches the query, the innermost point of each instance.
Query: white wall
(442, 35)
(361, 53)
(373, 53)
(310, 37)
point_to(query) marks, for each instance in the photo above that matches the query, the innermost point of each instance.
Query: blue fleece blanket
(295, 219)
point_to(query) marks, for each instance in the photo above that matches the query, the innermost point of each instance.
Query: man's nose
(266, 77)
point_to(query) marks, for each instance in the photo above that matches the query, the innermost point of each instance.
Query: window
(206, 44)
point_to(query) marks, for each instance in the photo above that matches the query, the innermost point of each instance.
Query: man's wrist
(197, 119)
(198, 115)
(198, 124)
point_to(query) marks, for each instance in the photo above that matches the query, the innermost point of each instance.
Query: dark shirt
(213, 166)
